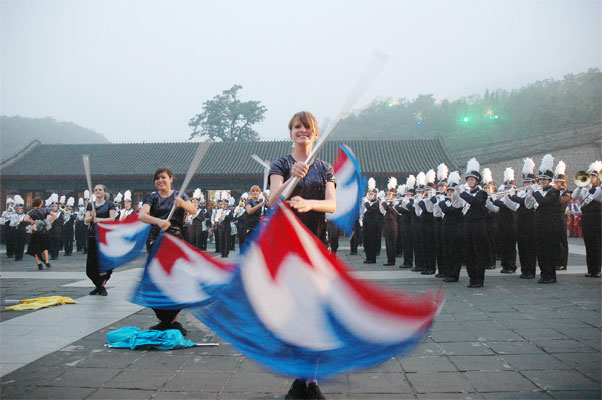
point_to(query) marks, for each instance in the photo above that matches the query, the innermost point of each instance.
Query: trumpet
(535, 187)
(582, 178)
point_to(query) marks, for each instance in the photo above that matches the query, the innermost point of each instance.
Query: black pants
(224, 240)
(54, 246)
(507, 250)
(355, 237)
(590, 224)
(429, 249)
(92, 266)
(417, 245)
(399, 245)
(441, 253)
(491, 240)
(452, 242)
(475, 250)
(563, 244)
(20, 240)
(11, 236)
(525, 235)
(203, 240)
(68, 242)
(371, 239)
(406, 240)
(546, 244)
(333, 236)
(390, 233)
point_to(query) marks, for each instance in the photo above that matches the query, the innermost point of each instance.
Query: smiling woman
(313, 196)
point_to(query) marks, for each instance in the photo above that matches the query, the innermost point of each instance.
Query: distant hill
(17, 132)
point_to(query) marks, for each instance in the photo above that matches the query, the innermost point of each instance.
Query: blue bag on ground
(130, 337)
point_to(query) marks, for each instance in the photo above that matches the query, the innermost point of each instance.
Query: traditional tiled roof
(378, 158)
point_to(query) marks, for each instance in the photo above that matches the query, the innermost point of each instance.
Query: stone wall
(576, 158)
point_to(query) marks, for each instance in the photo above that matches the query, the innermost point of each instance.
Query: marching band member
(547, 214)
(475, 229)
(17, 221)
(68, 227)
(55, 235)
(406, 222)
(194, 221)
(490, 217)
(117, 203)
(387, 208)
(590, 197)
(81, 235)
(38, 240)
(525, 231)
(442, 172)
(127, 206)
(417, 211)
(217, 210)
(507, 224)
(565, 198)
(453, 229)
(398, 198)
(223, 218)
(427, 229)
(8, 232)
(233, 227)
(206, 222)
(240, 219)
(372, 217)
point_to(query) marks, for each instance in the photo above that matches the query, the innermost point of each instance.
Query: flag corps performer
(310, 199)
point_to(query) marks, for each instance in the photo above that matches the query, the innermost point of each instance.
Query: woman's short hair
(159, 171)
(255, 187)
(307, 119)
(36, 203)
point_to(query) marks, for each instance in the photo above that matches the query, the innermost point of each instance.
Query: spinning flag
(294, 308)
(350, 189)
(178, 275)
(120, 242)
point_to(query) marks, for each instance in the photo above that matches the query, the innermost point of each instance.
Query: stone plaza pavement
(512, 339)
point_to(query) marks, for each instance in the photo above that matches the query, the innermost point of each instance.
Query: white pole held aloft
(372, 69)
(194, 165)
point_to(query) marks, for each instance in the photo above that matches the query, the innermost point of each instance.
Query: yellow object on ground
(40, 302)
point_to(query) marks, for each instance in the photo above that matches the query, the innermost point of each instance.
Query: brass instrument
(582, 178)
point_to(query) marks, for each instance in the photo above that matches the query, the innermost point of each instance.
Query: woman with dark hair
(99, 210)
(313, 196)
(38, 240)
(155, 210)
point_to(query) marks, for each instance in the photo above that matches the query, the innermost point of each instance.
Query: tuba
(582, 178)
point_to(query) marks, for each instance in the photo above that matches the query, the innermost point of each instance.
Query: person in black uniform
(20, 227)
(507, 224)
(427, 225)
(8, 231)
(81, 234)
(387, 208)
(371, 218)
(547, 216)
(223, 217)
(100, 209)
(524, 223)
(356, 237)
(313, 196)
(442, 172)
(55, 231)
(452, 229)
(194, 221)
(240, 219)
(155, 210)
(565, 199)
(69, 218)
(590, 197)
(38, 240)
(416, 231)
(491, 217)
(406, 222)
(475, 230)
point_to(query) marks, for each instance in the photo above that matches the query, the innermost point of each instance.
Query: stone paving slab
(512, 339)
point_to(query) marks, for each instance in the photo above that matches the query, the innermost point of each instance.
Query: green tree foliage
(477, 120)
(17, 132)
(228, 119)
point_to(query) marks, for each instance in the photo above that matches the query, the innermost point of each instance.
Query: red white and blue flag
(293, 307)
(350, 189)
(120, 242)
(178, 275)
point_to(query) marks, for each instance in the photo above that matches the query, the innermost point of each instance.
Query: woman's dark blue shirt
(311, 187)
(160, 207)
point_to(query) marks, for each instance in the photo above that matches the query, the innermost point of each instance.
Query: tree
(227, 118)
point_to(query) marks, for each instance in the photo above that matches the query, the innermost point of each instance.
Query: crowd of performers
(435, 224)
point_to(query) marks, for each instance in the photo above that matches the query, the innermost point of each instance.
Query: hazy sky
(139, 70)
